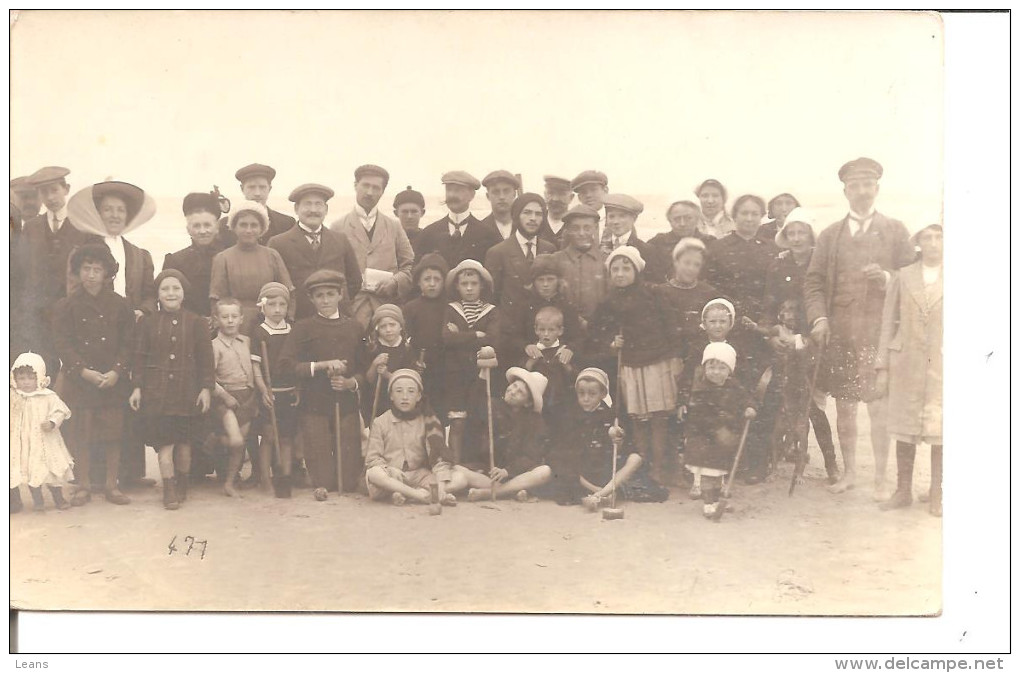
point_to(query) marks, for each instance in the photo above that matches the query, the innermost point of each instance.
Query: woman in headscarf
(714, 220)
(241, 270)
(778, 208)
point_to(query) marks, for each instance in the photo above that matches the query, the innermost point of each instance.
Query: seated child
(38, 454)
(716, 412)
(470, 322)
(552, 358)
(92, 333)
(424, 326)
(520, 441)
(326, 354)
(407, 450)
(234, 402)
(268, 339)
(172, 345)
(388, 350)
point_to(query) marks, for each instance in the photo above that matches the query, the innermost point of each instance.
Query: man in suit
(459, 235)
(500, 189)
(581, 262)
(621, 215)
(310, 246)
(510, 262)
(46, 243)
(844, 290)
(558, 197)
(25, 196)
(380, 244)
(256, 183)
(591, 188)
(25, 205)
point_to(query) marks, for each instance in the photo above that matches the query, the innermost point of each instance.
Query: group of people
(518, 355)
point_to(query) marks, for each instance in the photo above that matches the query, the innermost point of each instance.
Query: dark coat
(520, 438)
(638, 312)
(737, 268)
(684, 306)
(316, 339)
(43, 258)
(424, 327)
(475, 241)
(195, 262)
(138, 277)
(511, 270)
(335, 252)
(402, 356)
(517, 328)
(784, 281)
(657, 266)
(666, 241)
(173, 363)
(714, 423)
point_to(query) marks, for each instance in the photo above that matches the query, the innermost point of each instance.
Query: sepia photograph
(477, 312)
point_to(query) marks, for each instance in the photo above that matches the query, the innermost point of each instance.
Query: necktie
(531, 252)
(456, 231)
(617, 242)
(859, 222)
(314, 239)
(56, 224)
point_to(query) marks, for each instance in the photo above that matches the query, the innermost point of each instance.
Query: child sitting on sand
(38, 454)
(235, 404)
(716, 412)
(407, 450)
(520, 440)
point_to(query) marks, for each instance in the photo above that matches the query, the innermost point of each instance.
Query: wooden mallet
(272, 409)
(613, 512)
(486, 361)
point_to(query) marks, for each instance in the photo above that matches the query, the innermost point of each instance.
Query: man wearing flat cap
(581, 262)
(25, 205)
(385, 256)
(256, 183)
(46, 243)
(25, 196)
(622, 212)
(500, 189)
(459, 235)
(310, 246)
(591, 188)
(558, 197)
(409, 207)
(844, 291)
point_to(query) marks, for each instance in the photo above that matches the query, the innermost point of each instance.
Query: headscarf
(83, 207)
(518, 207)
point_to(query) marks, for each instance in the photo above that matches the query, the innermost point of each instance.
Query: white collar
(400, 340)
(335, 316)
(282, 328)
(622, 240)
(504, 229)
(524, 242)
(555, 345)
(555, 225)
(308, 230)
(366, 217)
(60, 215)
(228, 340)
(118, 239)
(458, 218)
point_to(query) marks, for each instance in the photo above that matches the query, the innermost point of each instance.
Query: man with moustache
(380, 244)
(310, 246)
(558, 196)
(25, 196)
(459, 235)
(500, 189)
(581, 262)
(844, 292)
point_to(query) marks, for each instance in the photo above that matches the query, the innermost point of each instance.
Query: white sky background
(765, 101)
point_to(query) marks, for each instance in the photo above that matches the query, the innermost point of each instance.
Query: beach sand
(810, 554)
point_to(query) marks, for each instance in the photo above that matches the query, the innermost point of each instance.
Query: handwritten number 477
(191, 542)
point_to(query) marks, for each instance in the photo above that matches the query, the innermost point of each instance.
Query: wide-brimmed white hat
(798, 214)
(535, 382)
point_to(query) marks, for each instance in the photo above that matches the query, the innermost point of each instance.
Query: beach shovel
(613, 512)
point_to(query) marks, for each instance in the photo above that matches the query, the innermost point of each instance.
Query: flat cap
(325, 278)
(623, 202)
(588, 178)
(255, 171)
(496, 176)
(371, 169)
(310, 188)
(22, 184)
(201, 201)
(409, 196)
(47, 175)
(545, 265)
(581, 210)
(862, 167)
(556, 181)
(461, 178)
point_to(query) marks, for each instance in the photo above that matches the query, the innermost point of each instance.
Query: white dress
(38, 456)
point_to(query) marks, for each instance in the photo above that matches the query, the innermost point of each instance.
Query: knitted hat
(273, 289)
(598, 376)
(796, 215)
(720, 302)
(37, 364)
(404, 374)
(387, 311)
(432, 260)
(631, 253)
(409, 196)
(250, 207)
(545, 265)
(688, 243)
(721, 351)
(172, 273)
(535, 382)
(469, 263)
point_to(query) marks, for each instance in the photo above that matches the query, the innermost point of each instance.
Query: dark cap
(556, 181)
(308, 188)
(500, 176)
(581, 210)
(860, 168)
(21, 185)
(461, 178)
(325, 278)
(409, 196)
(588, 178)
(201, 201)
(545, 265)
(371, 169)
(173, 273)
(46, 175)
(255, 171)
(432, 260)
(623, 202)
(132, 196)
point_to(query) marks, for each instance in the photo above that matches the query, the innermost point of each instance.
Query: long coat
(910, 347)
(138, 277)
(387, 250)
(335, 252)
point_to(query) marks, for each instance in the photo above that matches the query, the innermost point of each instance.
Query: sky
(176, 101)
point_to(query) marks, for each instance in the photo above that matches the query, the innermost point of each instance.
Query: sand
(810, 554)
